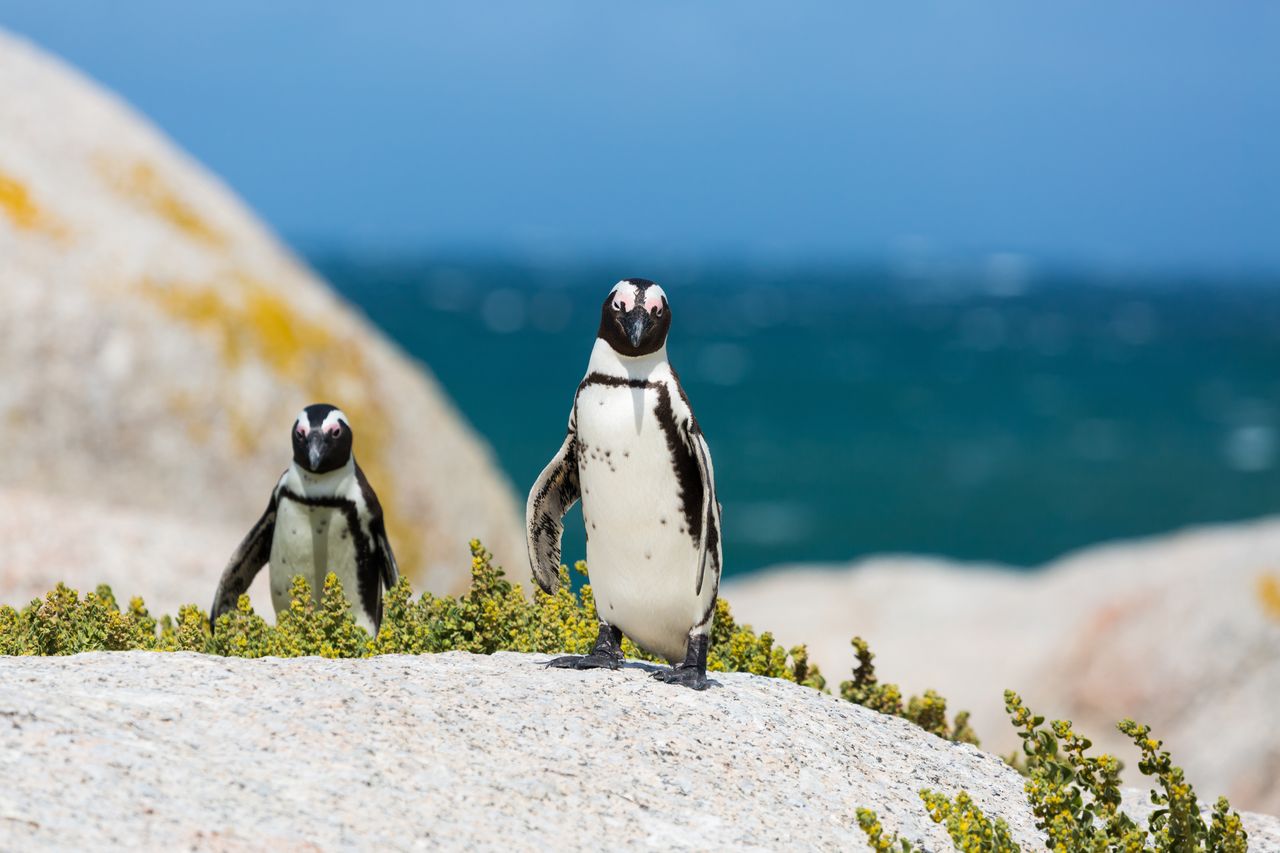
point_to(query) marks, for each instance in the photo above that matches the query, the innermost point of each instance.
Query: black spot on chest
(683, 461)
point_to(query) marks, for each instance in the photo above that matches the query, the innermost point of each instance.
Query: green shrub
(970, 830)
(493, 615)
(928, 711)
(64, 624)
(1176, 823)
(878, 838)
(1075, 798)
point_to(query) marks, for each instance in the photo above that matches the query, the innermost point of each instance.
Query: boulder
(156, 343)
(162, 557)
(1181, 632)
(460, 751)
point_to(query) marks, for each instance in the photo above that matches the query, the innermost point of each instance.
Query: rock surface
(1181, 632)
(156, 343)
(457, 751)
(162, 557)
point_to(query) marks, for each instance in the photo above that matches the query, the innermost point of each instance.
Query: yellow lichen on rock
(250, 322)
(16, 201)
(1269, 594)
(140, 182)
(284, 341)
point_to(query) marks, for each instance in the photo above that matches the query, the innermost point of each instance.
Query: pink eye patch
(624, 298)
(655, 299)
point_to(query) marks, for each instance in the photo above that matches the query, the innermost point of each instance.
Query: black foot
(692, 671)
(686, 676)
(607, 653)
(591, 661)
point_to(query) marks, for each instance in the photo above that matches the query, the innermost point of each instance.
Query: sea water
(855, 411)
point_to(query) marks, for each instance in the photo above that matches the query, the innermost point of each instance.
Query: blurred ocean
(981, 415)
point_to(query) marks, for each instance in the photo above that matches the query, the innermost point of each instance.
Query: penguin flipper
(709, 551)
(252, 554)
(388, 571)
(556, 490)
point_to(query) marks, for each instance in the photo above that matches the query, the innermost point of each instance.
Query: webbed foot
(595, 660)
(692, 671)
(686, 676)
(607, 653)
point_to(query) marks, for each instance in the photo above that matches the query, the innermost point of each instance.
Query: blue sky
(1128, 134)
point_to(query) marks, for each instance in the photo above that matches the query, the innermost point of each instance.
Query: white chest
(624, 461)
(640, 555)
(312, 541)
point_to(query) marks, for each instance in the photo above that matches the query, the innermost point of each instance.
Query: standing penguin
(636, 458)
(323, 517)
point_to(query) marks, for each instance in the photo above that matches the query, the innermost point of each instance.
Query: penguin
(637, 459)
(323, 517)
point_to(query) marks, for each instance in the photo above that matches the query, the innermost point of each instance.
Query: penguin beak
(636, 323)
(315, 448)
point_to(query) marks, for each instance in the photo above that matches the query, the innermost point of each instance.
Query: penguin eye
(657, 311)
(617, 306)
(300, 432)
(335, 430)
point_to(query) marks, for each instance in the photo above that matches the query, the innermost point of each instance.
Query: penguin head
(321, 439)
(635, 317)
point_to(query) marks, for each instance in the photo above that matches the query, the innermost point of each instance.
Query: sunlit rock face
(463, 751)
(156, 343)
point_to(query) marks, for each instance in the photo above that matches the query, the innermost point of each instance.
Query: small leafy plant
(1076, 797)
(493, 615)
(1076, 800)
(878, 838)
(969, 829)
(929, 711)
(63, 623)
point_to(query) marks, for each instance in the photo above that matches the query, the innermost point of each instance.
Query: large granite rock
(162, 557)
(1181, 632)
(156, 343)
(458, 751)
